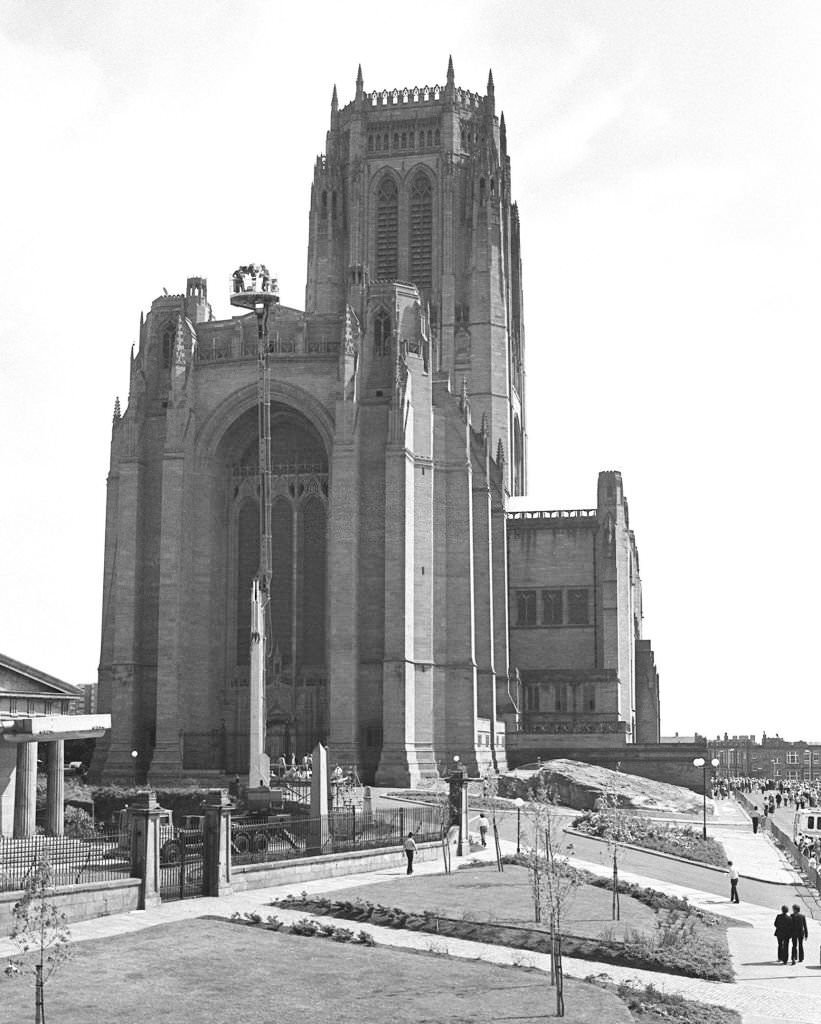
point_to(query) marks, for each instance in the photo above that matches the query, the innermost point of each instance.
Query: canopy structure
(19, 736)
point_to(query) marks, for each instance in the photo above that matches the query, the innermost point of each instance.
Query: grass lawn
(217, 971)
(485, 894)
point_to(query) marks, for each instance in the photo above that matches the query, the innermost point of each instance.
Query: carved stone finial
(360, 83)
(451, 78)
(500, 453)
(334, 100)
(117, 414)
(490, 82)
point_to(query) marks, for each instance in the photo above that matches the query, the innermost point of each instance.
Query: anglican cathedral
(410, 616)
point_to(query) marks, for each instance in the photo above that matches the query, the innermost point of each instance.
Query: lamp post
(519, 805)
(700, 762)
(134, 756)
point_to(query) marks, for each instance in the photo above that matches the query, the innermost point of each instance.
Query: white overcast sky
(666, 159)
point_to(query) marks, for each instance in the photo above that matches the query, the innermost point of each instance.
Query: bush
(78, 824)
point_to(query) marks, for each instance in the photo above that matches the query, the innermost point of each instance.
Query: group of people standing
(791, 930)
(800, 793)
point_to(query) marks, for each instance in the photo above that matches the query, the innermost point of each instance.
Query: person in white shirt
(483, 826)
(409, 846)
(732, 871)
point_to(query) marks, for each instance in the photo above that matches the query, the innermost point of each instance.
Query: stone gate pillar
(145, 847)
(217, 841)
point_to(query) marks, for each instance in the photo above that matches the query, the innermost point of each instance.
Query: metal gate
(182, 864)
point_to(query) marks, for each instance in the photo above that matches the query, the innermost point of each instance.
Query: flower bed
(648, 1005)
(677, 840)
(671, 949)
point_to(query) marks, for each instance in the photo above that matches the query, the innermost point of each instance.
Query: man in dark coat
(799, 933)
(783, 933)
(755, 820)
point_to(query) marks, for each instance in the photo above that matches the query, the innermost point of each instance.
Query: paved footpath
(765, 991)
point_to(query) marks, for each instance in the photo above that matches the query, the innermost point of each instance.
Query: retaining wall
(259, 876)
(80, 902)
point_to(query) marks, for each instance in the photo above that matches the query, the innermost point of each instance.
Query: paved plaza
(765, 992)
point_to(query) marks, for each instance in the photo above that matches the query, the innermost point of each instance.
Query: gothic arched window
(421, 231)
(381, 334)
(387, 230)
(168, 339)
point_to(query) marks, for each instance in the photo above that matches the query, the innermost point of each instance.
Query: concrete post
(259, 764)
(145, 847)
(25, 793)
(8, 780)
(319, 800)
(55, 788)
(217, 841)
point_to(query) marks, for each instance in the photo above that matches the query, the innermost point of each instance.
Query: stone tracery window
(387, 230)
(421, 231)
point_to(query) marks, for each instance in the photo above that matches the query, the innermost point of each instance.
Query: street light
(134, 756)
(519, 805)
(700, 762)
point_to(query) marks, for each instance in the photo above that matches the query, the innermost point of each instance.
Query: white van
(808, 823)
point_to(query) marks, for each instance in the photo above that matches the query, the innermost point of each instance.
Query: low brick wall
(662, 762)
(284, 872)
(81, 902)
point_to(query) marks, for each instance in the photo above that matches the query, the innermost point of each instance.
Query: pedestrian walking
(483, 826)
(755, 817)
(409, 847)
(783, 933)
(733, 872)
(799, 933)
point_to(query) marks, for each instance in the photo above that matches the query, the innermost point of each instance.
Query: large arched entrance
(296, 621)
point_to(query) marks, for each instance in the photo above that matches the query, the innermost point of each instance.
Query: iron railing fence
(284, 837)
(103, 856)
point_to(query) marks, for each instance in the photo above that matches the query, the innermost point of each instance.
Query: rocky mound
(579, 785)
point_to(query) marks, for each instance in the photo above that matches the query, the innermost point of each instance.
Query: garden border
(668, 856)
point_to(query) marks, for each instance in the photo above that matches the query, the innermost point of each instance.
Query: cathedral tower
(415, 186)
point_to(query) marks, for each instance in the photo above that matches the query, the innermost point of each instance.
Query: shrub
(78, 824)
(305, 926)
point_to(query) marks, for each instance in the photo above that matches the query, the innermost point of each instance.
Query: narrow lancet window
(421, 231)
(387, 230)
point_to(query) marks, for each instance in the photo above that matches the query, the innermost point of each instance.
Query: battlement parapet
(553, 514)
(419, 96)
(553, 519)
